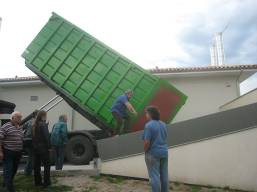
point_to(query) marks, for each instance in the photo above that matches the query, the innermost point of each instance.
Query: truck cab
(6, 108)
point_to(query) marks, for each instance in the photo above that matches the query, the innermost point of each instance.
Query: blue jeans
(29, 164)
(59, 154)
(158, 172)
(10, 165)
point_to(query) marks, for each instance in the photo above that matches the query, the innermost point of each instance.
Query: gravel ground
(118, 184)
(79, 181)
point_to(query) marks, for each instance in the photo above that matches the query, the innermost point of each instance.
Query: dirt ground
(66, 181)
(118, 184)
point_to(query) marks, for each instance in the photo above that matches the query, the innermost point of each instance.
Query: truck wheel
(79, 150)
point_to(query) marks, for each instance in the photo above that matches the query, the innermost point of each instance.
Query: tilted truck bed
(89, 75)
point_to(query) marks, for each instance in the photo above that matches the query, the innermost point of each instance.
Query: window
(33, 98)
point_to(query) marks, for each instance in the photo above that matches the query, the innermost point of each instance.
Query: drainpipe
(237, 82)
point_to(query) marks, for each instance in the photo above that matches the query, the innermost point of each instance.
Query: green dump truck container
(89, 75)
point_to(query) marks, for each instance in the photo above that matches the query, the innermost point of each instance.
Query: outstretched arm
(130, 107)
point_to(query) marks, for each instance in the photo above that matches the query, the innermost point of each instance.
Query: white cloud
(145, 31)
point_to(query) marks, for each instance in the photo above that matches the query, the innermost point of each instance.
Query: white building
(226, 159)
(207, 88)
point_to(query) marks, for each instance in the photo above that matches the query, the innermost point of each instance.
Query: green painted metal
(86, 72)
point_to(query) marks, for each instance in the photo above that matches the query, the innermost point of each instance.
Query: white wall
(205, 94)
(224, 161)
(20, 95)
(245, 99)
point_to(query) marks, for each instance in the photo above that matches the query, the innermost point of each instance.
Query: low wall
(229, 160)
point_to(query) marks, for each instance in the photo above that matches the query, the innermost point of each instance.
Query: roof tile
(160, 70)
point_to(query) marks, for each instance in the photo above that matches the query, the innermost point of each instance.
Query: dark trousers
(122, 124)
(59, 154)
(10, 166)
(44, 159)
(29, 164)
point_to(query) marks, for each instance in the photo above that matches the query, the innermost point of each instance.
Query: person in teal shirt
(156, 150)
(59, 139)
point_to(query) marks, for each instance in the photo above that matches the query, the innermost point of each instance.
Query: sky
(163, 33)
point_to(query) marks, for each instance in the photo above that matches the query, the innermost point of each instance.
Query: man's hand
(131, 108)
(146, 145)
(1, 155)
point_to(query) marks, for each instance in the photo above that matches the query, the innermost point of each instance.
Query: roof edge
(163, 71)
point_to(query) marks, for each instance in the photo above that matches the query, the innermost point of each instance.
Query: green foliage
(115, 180)
(90, 189)
(195, 188)
(26, 184)
(97, 178)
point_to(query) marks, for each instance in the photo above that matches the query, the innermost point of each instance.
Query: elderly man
(11, 136)
(119, 111)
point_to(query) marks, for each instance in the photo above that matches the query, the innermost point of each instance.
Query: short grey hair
(129, 91)
(14, 114)
(62, 117)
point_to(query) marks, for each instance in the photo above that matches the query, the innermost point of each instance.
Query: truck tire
(79, 150)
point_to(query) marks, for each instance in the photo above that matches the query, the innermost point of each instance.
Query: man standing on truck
(11, 140)
(119, 111)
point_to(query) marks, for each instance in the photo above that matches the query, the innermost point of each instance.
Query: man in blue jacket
(156, 150)
(59, 139)
(119, 111)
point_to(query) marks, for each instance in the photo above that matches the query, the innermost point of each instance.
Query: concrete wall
(20, 95)
(205, 94)
(245, 99)
(224, 161)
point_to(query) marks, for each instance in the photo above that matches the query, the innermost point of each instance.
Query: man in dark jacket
(59, 139)
(29, 147)
(41, 145)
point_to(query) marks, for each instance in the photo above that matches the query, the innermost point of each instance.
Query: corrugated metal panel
(90, 75)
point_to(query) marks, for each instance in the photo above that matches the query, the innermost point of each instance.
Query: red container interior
(166, 100)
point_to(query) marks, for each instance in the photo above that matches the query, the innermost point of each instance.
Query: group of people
(11, 140)
(36, 130)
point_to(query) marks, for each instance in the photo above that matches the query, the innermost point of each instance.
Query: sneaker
(45, 185)
(38, 184)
